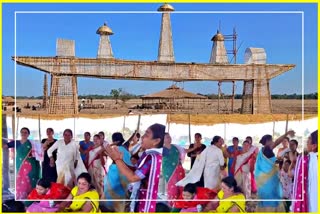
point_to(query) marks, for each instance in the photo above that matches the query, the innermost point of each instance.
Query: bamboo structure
(174, 98)
(45, 93)
(65, 68)
(165, 53)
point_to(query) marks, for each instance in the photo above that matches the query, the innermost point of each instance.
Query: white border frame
(155, 12)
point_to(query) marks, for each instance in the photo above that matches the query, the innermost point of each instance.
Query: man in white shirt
(210, 162)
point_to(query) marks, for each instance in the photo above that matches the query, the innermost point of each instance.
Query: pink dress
(300, 185)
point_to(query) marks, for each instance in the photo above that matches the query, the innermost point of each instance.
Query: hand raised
(114, 153)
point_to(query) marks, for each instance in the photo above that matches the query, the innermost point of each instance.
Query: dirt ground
(209, 107)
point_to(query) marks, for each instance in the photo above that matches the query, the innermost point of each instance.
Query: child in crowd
(286, 182)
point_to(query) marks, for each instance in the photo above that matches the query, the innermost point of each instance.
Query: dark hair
(50, 129)
(288, 161)
(101, 133)
(158, 132)
(85, 176)
(215, 139)
(25, 128)
(246, 141)
(235, 138)
(286, 138)
(162, 208)
(249, 137)
(280, 162)
(314, 137)
(87, 133)
(267, 151)
(44, 183)
(231, 183)
(118, 138)
(198, 134)
(135, 156)
(192, 188)
(265, 138)
(96, 135)
(138, 135)
(68, 130)
(294, 141)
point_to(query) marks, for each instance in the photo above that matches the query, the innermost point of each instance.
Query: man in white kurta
(68, 156)
(210, 162)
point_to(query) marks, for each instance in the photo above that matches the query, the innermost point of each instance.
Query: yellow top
(225, 206)
(91, 195)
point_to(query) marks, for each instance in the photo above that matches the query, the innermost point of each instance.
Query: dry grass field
(209, 107)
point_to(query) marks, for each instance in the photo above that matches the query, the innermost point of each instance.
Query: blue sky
(137, 36)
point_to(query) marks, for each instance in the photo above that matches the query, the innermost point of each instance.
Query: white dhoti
(208, 163)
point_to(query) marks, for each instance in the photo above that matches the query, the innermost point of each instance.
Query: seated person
(230, 192)
(84, 197)
(190, 195)
(49, 191)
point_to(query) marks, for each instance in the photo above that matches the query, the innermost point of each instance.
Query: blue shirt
(230, 149)
(85, 146)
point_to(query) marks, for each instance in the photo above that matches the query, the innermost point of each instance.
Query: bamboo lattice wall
(65, 68)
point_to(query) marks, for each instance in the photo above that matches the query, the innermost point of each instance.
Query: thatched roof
(7, 100)
(173, 92)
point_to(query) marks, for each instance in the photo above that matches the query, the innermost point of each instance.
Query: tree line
(120, 94)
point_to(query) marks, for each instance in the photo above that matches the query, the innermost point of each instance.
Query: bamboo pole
(124, 123)
(225, 131)
(273, 128)
(39, 125)
(287, 122)
(189, 129)
(219, 97)
(138, 125)
(13, 126)
(232, 101)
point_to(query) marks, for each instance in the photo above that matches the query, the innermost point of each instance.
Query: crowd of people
(67, 176)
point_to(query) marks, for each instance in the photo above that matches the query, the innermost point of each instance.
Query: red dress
(203, 194)
(57, 191)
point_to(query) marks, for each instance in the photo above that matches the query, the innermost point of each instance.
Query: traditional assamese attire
(85, 146)
(49, 173)
(305, 184)
(203, 196)
(149, 168)
(116, 184)
(78, 201)
(226, 204)
(173, 171)
(231, 149)
(96, 168)
(67, 154)
(209, 162)
(27, 168)
(242, 172)
(268, 183)
(56, 191)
